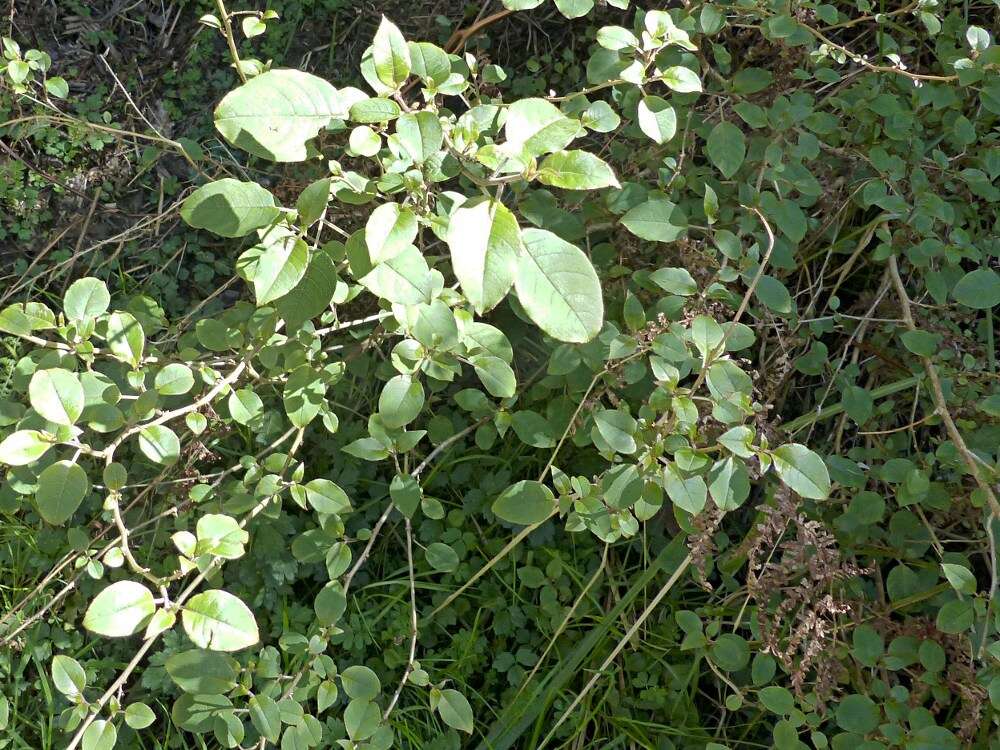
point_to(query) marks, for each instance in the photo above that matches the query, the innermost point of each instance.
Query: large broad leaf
(537, 127)
(484, 240)
(525, 503)
(57, 395)
(400, 401)
(657, 220)
(198, 713)
(86, 298)
(22, 319)
(729, 483)
(220, 535)
(455, 710)
(68, 676)
(174, 379)
(23, 447)
(389, 230)
(304, 395)
(558, 287)
(61, 488)
(802, 470)
(726, 147)
(430, 62)
(495, 375)
(230, 208)
(404, 279)
(689, 494)
(159, 444)
(100, 735)
(657, 118)
(390, 55)
(200, 671)
(139, 716)
(420, 135)
(360, 682)
(273, 115)
(275, 265)
(576, 170)
(681, 79)
(219, 621)
(978, 289)
(616, 429)
(119, 610)
(313, 294)
(126, 339)
(265, 716)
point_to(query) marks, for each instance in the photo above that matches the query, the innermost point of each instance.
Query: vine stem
(230, 39)
(210, 394)
(970, 459)
(860, 60)
(413, 623)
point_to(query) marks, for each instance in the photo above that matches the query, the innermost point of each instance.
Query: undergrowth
(525, 375)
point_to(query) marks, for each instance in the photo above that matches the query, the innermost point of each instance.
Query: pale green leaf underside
(484, 240)
(558, 287)
(275, 113)
(119, 610)
(219, 621)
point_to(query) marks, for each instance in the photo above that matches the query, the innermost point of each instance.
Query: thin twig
(413, 623)
(230, 39)
(970, 459)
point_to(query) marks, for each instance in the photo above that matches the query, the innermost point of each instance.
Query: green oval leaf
(558, 287)
(802, 470)
(57, 395)
(159, 444)
(100, 735)
(201, 671)
(657, 220)
(24, 447)
(61, 488)
(125, 337)
(401, 401)
(455, 710)
(119, 610)
(484, 240)
(139, 716)
(86, 298)
(275, 265)
(219, 621)
(525, 503)
(175, 379)
(576, 170)
(360, 682)
(726, 148)
(273, 114)
(979, 289)
(230, 208)
(68, 676)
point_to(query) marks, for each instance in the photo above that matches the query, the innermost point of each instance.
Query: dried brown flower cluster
(701, 544)
(795, 580)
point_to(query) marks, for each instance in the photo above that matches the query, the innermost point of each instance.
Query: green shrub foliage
(597, 298)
